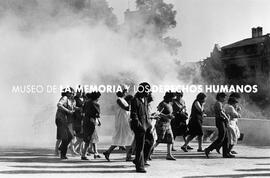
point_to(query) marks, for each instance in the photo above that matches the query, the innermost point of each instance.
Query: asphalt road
(40, 162)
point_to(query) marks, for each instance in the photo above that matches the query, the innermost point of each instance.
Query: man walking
(141, 126)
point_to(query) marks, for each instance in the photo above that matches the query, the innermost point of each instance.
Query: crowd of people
(139, 131)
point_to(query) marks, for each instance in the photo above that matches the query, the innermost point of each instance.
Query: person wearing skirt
(94, 140)
(62, 114)
(123, 135)
(91, 111)
(233, 130)
(195, 122)
(178, 123)
(163, 125)
(77, 122)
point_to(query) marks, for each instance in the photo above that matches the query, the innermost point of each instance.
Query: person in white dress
(123, 135)
(234, 132)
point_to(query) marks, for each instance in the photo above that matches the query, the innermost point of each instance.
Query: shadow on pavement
(254, 170)
(46, 157)
(233, 175)
(63, 171)
(75, 167)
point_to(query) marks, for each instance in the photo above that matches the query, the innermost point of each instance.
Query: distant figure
(91, 110)
(64, 111)
(71, 117)
(195, 122)
(163, 125)
(179, 122)
(141, 126)
(233, 130)
(95, 139)
(77, 122)
(222, 126)
(58, 130)
(123, 135)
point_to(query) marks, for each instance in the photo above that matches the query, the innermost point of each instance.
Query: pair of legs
(229, 149)
(64, 145)
(169, 153)
(184, 138)
(72, 146)
(221, 141)
(93, 147)
(89, 128)
(78, 145)
(189, 139)
(112, 147)
(143, 144)
(86, 147)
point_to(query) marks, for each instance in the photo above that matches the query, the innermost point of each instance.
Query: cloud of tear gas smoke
(47, 42)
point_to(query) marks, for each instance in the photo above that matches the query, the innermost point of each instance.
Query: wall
(256, 131)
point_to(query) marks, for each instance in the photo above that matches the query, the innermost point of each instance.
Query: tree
(94, 10)
(159, 14)
(212, 69)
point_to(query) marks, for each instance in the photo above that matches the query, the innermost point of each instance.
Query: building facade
(248, 61)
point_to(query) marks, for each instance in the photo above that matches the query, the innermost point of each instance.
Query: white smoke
(42, 45)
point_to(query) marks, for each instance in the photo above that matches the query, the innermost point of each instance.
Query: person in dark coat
(63, 113)
(141, 126)
(222, 126)
(78, 120)
(58, 130)
(91, 111)
(195, 122)
(179, 122)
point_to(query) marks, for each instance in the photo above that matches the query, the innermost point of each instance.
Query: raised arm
(120, 103)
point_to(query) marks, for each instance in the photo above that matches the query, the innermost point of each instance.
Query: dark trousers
(148, 145)
(65, 142)
(222, 139)
(144, 141)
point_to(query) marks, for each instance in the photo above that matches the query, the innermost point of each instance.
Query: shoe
(150, 158)
(84, 158)
(206, 153)
(170, 158)
(141, 170)
(229, 156)
(63, 157)
(233, 152)
(107, 156)
(218, 151)
(200, 150)
(127, 158)
(184, 149)
(97, 156)
(189, 147)
(146, 164)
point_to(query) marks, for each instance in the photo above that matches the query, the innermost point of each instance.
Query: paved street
(40, 162)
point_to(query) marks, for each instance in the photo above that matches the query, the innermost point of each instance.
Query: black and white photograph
(135, 88)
